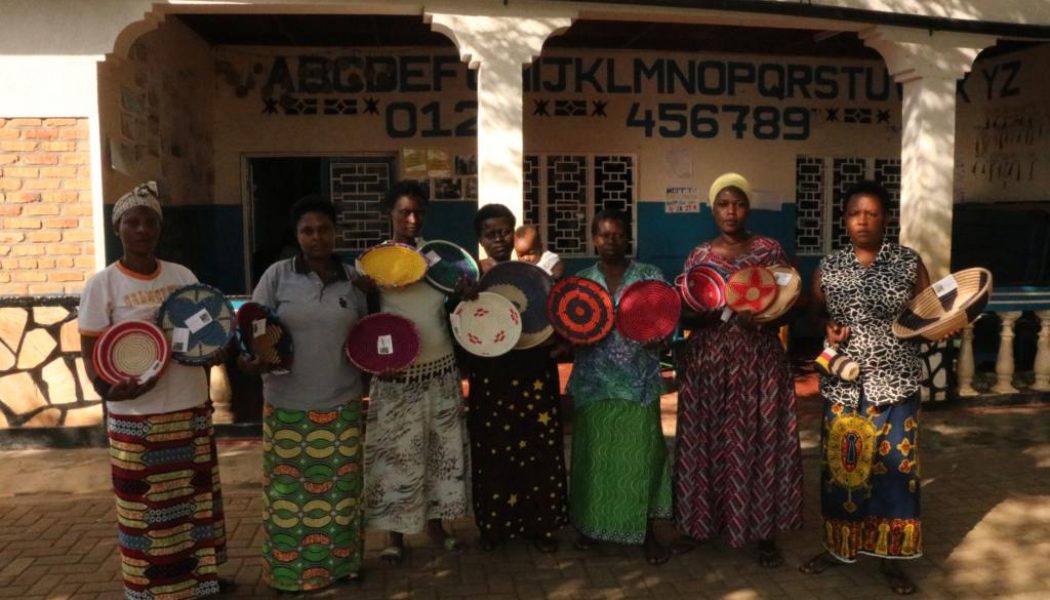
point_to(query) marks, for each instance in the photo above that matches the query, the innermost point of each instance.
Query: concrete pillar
(928, 64)
(1042, 354)
(1004, 362)
(498, 45)
(966, 365)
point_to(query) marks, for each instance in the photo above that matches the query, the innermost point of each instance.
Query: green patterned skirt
(312, 484)
(620, 474)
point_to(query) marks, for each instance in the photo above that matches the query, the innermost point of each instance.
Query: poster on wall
(682, 199)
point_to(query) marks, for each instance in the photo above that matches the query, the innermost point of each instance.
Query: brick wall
(46, 240)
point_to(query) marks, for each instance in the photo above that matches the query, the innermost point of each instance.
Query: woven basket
(528, 287)
(186, 303)
(131, 349)
(392, 265)
(487, 326)
(751, 288)
(648, 311)
(446, 263)
(383, 342)
(580, 310)
(789, 285)
(702, 288)
(272, 343)
(932, 315)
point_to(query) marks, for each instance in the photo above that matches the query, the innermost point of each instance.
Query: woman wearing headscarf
(416, 450)
(738, 468)
(869, 478)
(312, 428)
(171, 530)
(621, 478)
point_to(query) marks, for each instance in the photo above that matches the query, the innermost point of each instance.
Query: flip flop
(820, 563)
(452, 544)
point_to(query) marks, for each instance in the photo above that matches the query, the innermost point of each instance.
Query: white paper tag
(258, 328)
(432, 258)
(180, 339)
(197, 321)
(384, 345)
(726, 313)
(945, 286)
(151, 371)
(783, 278)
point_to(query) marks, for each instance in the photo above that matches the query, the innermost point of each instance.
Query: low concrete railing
(1009, 304)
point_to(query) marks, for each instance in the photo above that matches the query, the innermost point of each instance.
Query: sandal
(769, 555)
(452, 544)
(900, 583)
(820, 563)
(583, 543)
(392, 555)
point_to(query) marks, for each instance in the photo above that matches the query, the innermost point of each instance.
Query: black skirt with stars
(517, 447)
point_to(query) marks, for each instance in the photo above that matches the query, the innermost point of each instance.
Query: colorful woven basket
(580, 310)
(131, 349)
(198, 322)
(261, 334)
(702, 288)
(949, 304)
(837, 364)
(447, 263)
(528, 287)
(789, 286)
(487, 326)
(383, 342)
(648, 310)
(392, 265)
(751, 289)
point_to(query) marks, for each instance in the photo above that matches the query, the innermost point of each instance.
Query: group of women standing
(426, 454)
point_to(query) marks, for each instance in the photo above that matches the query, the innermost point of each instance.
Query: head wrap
(729, 180)
(144, 194)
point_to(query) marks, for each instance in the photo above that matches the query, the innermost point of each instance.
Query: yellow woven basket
(393, 265)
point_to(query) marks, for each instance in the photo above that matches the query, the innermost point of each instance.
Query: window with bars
(820, 190)
(564, 191)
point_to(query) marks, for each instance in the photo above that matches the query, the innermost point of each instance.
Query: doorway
(355, 185)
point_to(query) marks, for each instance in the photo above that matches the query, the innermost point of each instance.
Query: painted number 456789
(703, 121)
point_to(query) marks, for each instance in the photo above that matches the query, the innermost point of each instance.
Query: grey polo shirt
(319, 317)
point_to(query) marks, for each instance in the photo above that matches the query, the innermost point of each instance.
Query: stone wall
(42, 378)
(46, 240)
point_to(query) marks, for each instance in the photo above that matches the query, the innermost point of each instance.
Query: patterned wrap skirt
(312, 484)
(417, 454)
(620, 474)
(869, 480)
(171, 530)
(738, 465)
(517, 445)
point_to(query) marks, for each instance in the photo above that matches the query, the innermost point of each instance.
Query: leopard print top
(867, 300)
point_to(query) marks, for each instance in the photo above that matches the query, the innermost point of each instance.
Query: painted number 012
(678, 119)
(405, 120)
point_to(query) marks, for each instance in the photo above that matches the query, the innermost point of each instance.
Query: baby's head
(527, 243)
